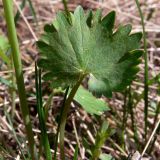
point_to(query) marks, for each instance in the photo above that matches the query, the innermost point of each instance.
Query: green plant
(85, 45)
(103, 133)
(8, 9)
(95, 150)
(41, 114)
(145, 70)
(130, 106)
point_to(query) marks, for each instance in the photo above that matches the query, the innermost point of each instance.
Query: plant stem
(8, 9)
(134, 127)
(146, 70)
(64, 115)
(124, 119)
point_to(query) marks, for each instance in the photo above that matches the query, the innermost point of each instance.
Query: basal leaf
(89, 46)
(90, 103)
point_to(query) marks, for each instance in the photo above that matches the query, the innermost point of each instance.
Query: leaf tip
(109, 20)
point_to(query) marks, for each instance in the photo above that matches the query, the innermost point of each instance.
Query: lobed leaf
(89, 46)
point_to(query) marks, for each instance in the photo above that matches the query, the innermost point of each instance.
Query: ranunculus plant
(78, 45)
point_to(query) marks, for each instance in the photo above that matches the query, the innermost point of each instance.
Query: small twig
(153, 133)
(88, 132)
(118, 147)
(18, 157)
(25, 20)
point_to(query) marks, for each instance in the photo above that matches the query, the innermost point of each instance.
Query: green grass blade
(23, 4)
(76, 153)
(32, 10)
(146, 69)
(41, 115)
(16, 18)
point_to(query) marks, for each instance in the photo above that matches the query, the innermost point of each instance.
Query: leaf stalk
(65, 112)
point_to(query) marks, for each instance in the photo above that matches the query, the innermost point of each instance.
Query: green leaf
(4, 46)
(88, 46)
(97, 17)
(89, 18)
(7, 83)
(106, 157)
(86, 144)
(76, 153)
(90, 103)
(108, 21)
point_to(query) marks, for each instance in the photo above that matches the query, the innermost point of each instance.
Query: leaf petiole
(65, 112)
